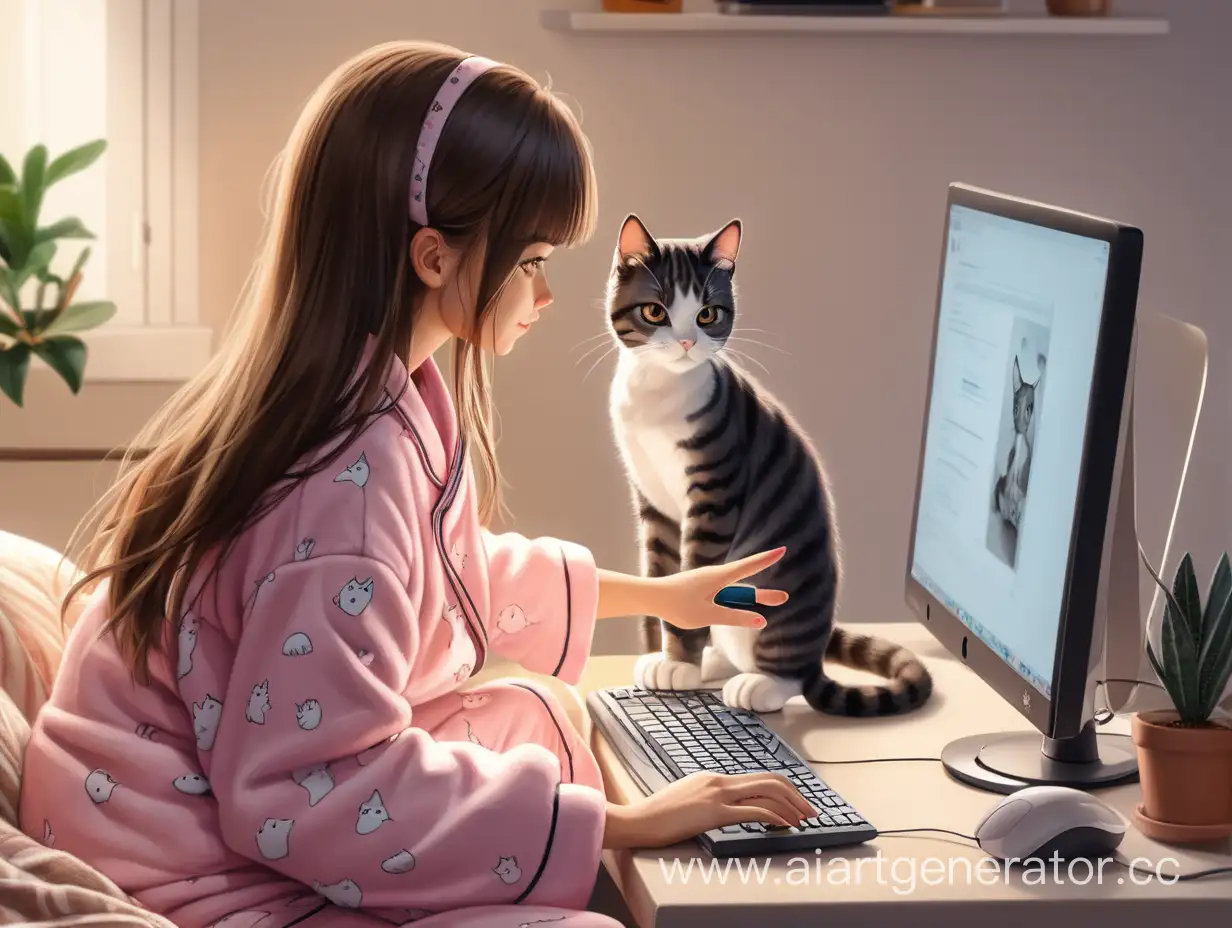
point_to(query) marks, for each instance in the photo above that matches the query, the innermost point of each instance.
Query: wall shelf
(904, 24)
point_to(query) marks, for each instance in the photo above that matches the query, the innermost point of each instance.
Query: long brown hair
(512, 168)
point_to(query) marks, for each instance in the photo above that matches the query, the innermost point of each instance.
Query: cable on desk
(1128, 865)
(1107, 713)
(891, 832)
(1179, 877)
(1108, 717)
(944, 831)
(872, 760)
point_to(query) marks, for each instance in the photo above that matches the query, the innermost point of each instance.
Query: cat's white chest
(1022, 456)
(649, 411)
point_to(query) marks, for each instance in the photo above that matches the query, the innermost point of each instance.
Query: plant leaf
(49, 278)
(1215, 662)
(10, 203)
(14, 364)
(6, 172)
(72, 227)
(82, 316)
(66, 355)
(1173, 608)
(1155, 576)
(8, 325)
(13, 235)
(37, 260)
(8, 293)
(1181, 663)
(1185, 589)
(1169, 684)
(33, 174)
(77, 159)
(1217, 595)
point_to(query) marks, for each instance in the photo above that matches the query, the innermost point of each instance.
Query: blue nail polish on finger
(737, 596)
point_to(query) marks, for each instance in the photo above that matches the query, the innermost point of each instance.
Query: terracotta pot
(1079, 7)
(1186, 777)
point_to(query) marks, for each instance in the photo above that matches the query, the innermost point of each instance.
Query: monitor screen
(1018, 328)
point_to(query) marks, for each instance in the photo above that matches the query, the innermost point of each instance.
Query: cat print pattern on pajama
(308, 752)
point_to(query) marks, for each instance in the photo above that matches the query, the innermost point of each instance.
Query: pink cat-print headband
(459, 79)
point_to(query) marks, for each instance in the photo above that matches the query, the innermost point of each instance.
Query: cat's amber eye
(654, 313)
(708, 316)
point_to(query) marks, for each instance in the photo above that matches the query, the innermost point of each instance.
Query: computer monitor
(1024, 417)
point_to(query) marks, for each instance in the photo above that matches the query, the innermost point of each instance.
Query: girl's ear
(432, 258)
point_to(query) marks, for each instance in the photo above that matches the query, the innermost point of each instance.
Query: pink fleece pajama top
(305, 741)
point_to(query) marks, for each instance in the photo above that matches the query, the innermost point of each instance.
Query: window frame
(150, 226)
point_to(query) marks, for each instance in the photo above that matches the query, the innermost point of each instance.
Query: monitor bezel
(1061, 715)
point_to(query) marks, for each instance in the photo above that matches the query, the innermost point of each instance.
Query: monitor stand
(1004, 762)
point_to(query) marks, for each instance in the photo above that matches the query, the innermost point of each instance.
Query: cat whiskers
(753, 341)
(743, 356)
(598, 361)
(591, 350)
(604, 334)
(738, 333)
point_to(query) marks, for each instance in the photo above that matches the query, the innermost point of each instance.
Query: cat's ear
(724, 245)
(635, 240)
(1017, 376)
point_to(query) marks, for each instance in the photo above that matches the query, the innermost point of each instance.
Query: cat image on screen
(720, 470)
(1010, 492)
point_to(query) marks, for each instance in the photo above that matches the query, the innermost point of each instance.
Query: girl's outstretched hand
(686, 599)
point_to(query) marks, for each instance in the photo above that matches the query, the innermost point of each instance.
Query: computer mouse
(1040, 821)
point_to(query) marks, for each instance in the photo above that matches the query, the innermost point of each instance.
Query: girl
(259, 718)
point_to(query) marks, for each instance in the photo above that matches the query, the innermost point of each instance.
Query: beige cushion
(33, 580)
(14, 733)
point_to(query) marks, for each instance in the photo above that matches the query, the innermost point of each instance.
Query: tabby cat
(719, 470)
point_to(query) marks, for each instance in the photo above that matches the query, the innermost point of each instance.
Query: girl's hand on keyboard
(700, 802)
(686, 599)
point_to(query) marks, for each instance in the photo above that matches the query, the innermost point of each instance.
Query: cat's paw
(759, 692)
(655, 671)
(715, 666)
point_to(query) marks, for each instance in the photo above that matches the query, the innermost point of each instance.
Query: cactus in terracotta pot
(1185, 755)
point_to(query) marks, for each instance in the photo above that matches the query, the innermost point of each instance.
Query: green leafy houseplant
(43, 326)
(1185, 755)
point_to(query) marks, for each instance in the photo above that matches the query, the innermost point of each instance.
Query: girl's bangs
(558, 197)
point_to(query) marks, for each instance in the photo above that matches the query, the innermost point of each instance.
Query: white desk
(916, 880)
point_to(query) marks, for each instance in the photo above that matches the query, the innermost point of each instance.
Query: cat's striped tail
(909, 686)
